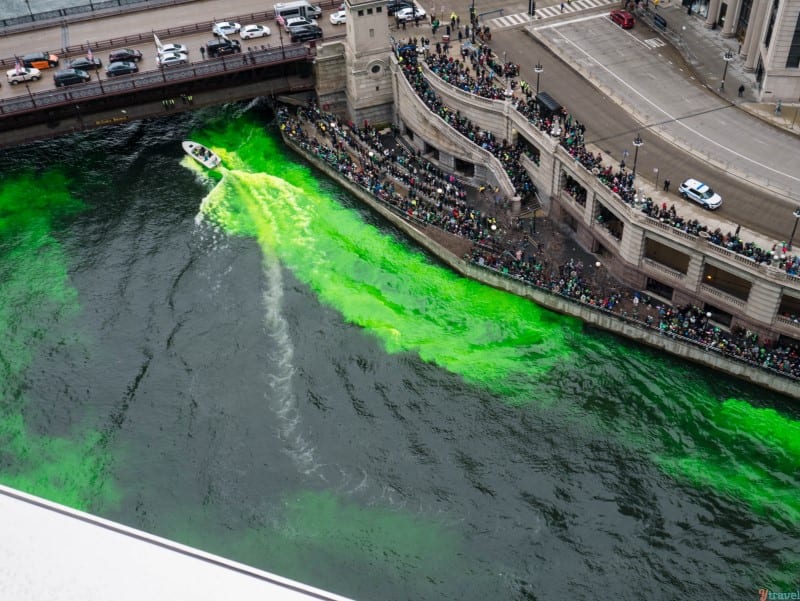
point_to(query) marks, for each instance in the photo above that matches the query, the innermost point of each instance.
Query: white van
(300, 8)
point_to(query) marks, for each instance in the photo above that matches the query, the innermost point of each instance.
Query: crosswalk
(547, 12)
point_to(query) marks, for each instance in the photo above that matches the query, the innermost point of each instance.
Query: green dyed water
(305, 392)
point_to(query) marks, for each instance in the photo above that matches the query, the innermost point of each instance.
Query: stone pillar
(713, 14)
(731, 18)
(752, 38)
(763, 301)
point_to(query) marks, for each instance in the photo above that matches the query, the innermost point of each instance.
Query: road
(609, 127)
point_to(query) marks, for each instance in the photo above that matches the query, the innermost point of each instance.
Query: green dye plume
(36, 293)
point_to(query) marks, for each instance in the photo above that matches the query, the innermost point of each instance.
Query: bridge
(259, 70)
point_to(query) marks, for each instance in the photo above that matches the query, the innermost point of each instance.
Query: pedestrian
(562, 7)
(184, 100)
(778, 108)
(404, 24)
(460, 35)
(203, 52)
(741, 90)
(666, 185)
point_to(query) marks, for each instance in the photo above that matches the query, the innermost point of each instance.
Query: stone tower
(369, 83)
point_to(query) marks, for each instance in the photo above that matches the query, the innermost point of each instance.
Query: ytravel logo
(764, 594)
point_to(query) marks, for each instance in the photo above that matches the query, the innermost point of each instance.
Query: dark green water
(255, 365)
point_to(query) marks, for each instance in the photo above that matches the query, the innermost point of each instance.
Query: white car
(225, 28)
(295, 22)
(254, 31)
(171, 48)
(174, 58)
(409, 14)
(25, 74)
(700, 193)
(339, 17)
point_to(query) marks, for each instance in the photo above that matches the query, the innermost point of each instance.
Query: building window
(379, 9)
(372, 33)
(771, 23)
(369, 11)
(793, 60)
(376, 69)
(361, 13)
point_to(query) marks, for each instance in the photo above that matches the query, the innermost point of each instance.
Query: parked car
(622, 18)
(121, 68)
(395, 5)
(225, 28)
(69, 77)
(171, 58)
(40, 60)
(296, 22)
(306, 34)
(254, 31)
(125, 54)
(169, 48)
(700, 193)
(222, 46)
(24, 74)
(411, 13)
(84, 64)
(339, 17)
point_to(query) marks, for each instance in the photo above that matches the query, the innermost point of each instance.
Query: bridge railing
(150, 79)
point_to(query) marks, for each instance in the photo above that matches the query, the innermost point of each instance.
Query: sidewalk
(703, 50)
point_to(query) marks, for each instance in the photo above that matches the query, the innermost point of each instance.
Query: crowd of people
(478, 72)
(415, 188)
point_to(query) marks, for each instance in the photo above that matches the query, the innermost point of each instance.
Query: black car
(69, 77)
(394, 5)
(125, 54)
(307, 33)
(222, 47)
(121, 68)
(84, 64)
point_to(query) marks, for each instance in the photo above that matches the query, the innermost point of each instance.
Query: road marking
(655, 42)
(672, 119)
(547, 12)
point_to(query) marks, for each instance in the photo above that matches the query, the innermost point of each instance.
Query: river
(252, 363)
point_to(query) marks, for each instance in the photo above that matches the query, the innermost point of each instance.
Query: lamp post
(473, 20)
(637, 142)
(30, 12)
(796, 215)
(727, 57)
(538, 70)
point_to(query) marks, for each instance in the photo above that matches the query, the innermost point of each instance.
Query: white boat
(201, 154)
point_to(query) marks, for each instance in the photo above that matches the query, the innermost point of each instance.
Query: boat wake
(281, 395)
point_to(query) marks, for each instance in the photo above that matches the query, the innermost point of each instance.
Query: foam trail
(281, 395)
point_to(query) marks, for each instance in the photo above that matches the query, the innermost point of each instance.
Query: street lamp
(727, 57)
(30, 12)
(637, 142)
(796, 215)
(473, 20)
(538, 70)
